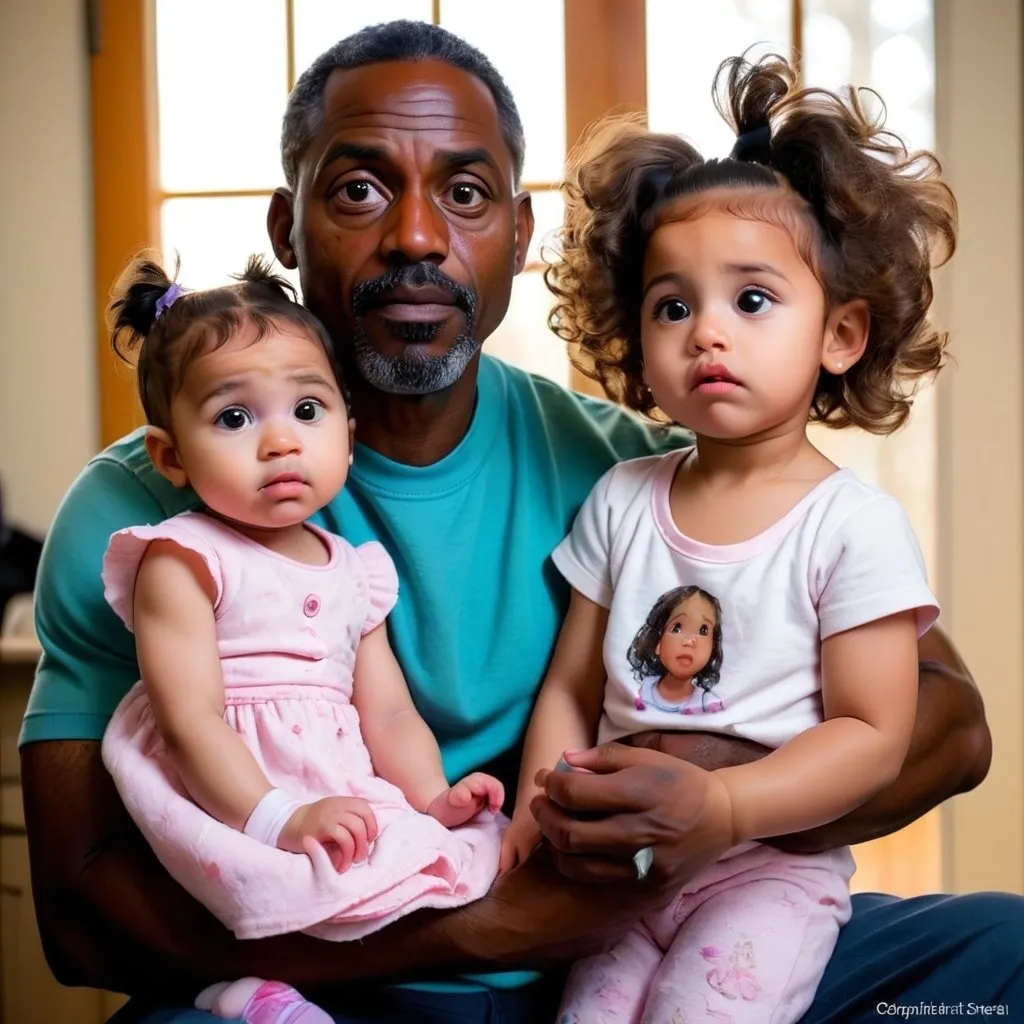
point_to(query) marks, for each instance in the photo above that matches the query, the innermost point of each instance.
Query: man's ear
(524, 228)
(280, 220)
(164, 456)
(846, 336)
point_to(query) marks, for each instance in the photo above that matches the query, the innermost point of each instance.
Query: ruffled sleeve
(383, 583)
(127, 547)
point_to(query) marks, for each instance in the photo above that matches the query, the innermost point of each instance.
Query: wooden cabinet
(29, 994)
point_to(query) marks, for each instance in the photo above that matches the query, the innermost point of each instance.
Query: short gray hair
(380, 44)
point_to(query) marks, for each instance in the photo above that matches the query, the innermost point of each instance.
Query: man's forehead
(423, 95)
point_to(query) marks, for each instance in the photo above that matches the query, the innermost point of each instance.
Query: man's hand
(950, 752)
(627, 799)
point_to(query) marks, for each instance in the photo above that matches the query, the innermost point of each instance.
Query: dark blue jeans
(922, 952)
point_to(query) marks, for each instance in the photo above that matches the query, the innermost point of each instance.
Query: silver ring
(642, 861)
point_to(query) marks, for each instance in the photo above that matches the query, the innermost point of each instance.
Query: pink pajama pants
(746, 942)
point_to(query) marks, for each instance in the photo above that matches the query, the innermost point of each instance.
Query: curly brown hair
(870, 218)
(161, 342)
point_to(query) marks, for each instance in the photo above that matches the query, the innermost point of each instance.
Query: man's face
(406, 228)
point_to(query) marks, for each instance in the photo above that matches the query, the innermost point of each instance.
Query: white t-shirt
(843, 556)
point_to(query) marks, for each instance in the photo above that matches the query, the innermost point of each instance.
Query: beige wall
(47, 349)
(980, 47)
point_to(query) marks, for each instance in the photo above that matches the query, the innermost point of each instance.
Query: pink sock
(256, 1001)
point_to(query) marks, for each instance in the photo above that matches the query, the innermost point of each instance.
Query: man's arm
(950, 753)
(111, 917)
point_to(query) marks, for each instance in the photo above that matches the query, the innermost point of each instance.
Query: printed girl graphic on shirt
(676, 655)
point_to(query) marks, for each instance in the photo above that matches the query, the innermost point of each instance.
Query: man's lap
(927, 950)
(924, 951)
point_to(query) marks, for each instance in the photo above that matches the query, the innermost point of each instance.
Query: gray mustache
(414, 275)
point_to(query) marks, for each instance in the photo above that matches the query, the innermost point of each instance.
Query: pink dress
(287, 635)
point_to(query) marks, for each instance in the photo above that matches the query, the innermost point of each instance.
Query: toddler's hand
(343, 826)
(457, 804)
(518, 842)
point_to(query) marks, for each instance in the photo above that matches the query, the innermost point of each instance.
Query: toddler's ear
(164, 456)
(846, 336)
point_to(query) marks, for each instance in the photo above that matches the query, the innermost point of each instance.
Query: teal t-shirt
(480, 601)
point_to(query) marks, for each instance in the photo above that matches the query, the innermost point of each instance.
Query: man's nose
(416, 230)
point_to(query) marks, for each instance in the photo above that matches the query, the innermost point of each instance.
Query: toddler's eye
(309, 410)
(676, 628)
(672, 311)
(704, 630)
(232, 419)
(753, 301)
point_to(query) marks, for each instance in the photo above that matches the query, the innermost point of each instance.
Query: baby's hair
(870, 219)
(162, 337)
(643, 657)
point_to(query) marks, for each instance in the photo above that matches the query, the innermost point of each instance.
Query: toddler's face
(261, 429)
(732, 325)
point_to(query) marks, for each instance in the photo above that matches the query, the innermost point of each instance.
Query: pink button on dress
(287, 635)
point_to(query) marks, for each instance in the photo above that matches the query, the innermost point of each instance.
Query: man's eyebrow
(457, 158)
(351, 151)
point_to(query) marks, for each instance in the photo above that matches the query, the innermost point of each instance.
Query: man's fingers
(595, 870)
(618, 836)
(622, 792)
(611, 757)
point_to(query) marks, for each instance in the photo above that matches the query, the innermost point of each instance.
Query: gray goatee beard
(413, 372)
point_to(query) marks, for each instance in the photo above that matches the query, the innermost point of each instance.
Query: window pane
(214, 237)
(222, 84)
(527, 46)
(523, 338)
(319, 24)
(548, 213)
(686, 41)
(888, 45)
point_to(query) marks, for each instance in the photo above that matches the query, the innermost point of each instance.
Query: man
(402, 151)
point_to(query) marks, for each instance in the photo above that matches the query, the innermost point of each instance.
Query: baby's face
(261, 429)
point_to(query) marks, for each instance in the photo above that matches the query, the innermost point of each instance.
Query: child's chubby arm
(176, 645)
(402, 748)
(565, 716)
(869, 696)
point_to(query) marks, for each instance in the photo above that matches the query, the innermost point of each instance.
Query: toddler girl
(744, 585)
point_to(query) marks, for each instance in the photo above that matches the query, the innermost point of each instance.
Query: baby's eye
(309, 410)
(233, 419)
(676, 628)
(753, 300)
(704, 630)
(671, 311)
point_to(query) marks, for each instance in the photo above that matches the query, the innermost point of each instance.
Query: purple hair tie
(168, 299)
